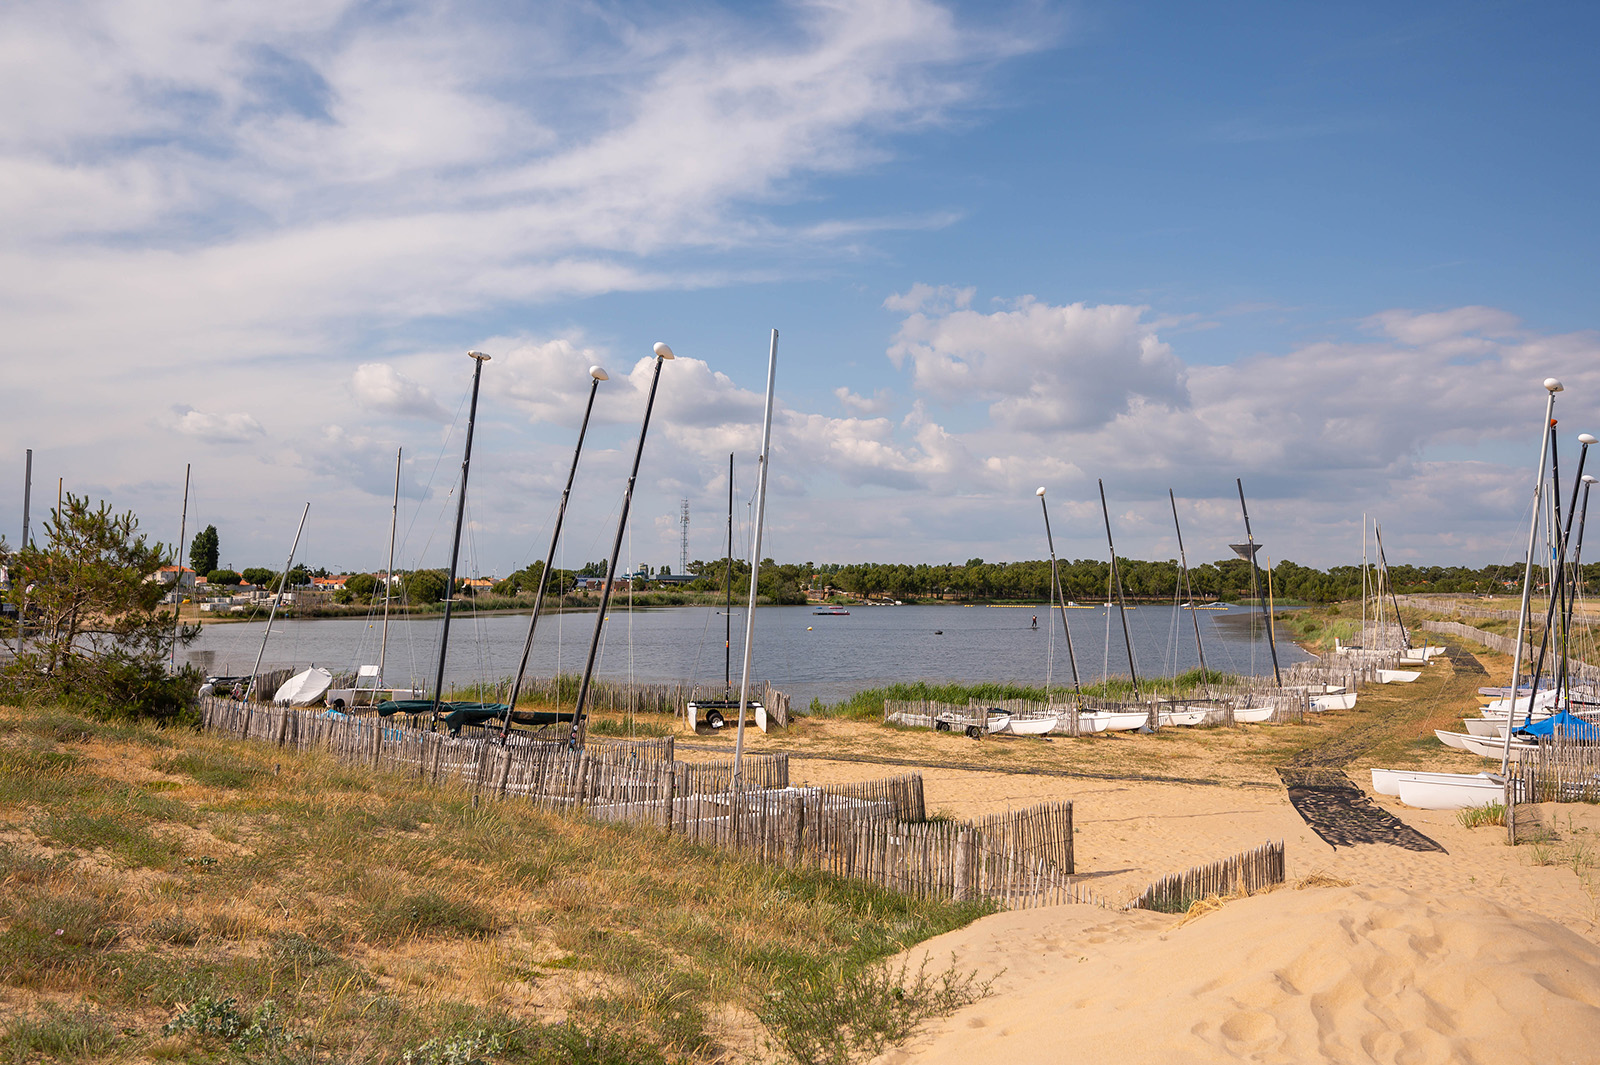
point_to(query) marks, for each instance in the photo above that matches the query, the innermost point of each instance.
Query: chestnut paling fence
(874, 831)
(1243, 874)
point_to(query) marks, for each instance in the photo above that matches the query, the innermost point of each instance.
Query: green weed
(58, 1033)
(1493, 813)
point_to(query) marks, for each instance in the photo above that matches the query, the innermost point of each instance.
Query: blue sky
(1330, 249)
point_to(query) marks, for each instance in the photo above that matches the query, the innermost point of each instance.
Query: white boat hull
(1033, 726)
(1334, 701)
(1387, 781)
(1460, 793)
(1253, 715)
(1492, 747)
(1458, 740)
(304, 688)
(1185, 717)
(1397, 676)
(1117, 720)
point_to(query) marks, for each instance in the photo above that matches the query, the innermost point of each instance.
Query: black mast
(1188, 588)
(461, 510)
(597, 374)
(1122, 607)
(727, 614)
(1060, 596)
(1249, 552)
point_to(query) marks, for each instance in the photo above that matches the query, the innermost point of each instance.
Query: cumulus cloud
(1042, 366)
(878, 403)
(235, 428)
(384, 390)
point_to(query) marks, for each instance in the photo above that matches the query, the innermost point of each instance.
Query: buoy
(808, 628)
(938, 632)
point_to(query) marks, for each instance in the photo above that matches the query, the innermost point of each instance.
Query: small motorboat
(831, 612)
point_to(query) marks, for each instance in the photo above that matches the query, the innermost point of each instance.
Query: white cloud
(384, 390)
(921, 297)
(235, 428)
(1042, 367)
(879, 402)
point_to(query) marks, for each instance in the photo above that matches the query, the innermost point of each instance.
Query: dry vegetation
(166, 895)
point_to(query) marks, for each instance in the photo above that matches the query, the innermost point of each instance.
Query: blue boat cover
(1573, 727)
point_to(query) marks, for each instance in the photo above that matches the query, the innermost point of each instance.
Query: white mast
(1552, 385)
(388, 574)
(755, 556)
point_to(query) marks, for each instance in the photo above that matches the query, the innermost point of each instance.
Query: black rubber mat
(1343, 815)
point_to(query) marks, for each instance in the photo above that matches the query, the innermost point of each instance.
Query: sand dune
(1334, 974)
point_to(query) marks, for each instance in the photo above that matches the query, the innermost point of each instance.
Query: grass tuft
(1493, 813)
(64, 1035)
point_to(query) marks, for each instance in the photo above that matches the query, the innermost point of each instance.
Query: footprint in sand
(1250, 1026)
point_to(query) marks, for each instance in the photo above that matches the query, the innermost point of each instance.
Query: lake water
(800, 653)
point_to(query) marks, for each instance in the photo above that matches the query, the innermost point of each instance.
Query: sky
(1330, 250)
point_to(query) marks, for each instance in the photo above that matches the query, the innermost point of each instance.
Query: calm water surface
(807, 656)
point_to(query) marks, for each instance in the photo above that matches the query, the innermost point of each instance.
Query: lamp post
(663, 356)
(597, 374)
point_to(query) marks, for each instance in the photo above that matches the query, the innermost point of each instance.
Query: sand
(1478, 953)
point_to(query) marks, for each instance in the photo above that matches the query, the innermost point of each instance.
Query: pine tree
(203, 552)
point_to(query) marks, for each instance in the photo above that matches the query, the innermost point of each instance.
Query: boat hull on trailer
(1461, 792)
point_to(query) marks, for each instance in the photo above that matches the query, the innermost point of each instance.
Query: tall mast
(1363, 580)
(283, 589)
(1116, 577)
(478, 358)
(388, 574)
(1188, 589)
(1057, 594)
(1255, 579)
(1552, 386)
(177, 584)
(755, 555)
(27, 495)
(1383, 563)
(727, 613)
(596, 375)
(575, 738)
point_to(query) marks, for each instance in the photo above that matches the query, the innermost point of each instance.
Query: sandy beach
(1476, 952)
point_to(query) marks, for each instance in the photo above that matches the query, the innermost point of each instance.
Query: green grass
(379, 915)
(867, 705)
(64, 1035)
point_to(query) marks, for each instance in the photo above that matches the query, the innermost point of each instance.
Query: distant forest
(1081, 579)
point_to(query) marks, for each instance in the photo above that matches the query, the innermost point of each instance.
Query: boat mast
(1552, 386)
(1255, 580)
(1059, 594)
(755, 556)
(1383, 562)
(177, 584)
(1363, 636)
(479, 358)
(283, 588)
(1122, 606)
(1558, 613)
(727, 613)
(388, 574)
(596, 375)
(575, 737)
(1188, 589)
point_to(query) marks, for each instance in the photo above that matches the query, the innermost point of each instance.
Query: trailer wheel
(338, 704)
(714, 718)
(941, 726)
(973, 731)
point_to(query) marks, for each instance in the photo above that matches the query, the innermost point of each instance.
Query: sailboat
(1106, 718)
(368, 690)
(453, 713)
(713, 713)
(1452, 791)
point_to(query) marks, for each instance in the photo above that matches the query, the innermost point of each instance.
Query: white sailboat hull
(1117, 720)
(1387, 781)
(304, 688)
(1397, 676)
(1254, 715)
(1492, 747)
(1461, 793)
(1183, 716)
(1458, 740)
(1334, 701)
(1033, 726)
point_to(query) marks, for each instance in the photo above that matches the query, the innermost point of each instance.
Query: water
(807, 656)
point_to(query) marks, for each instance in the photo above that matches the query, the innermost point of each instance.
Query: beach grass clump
(1493, 813)
(840, 1015)
(187, 885)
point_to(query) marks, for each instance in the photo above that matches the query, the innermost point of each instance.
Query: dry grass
(159, 875)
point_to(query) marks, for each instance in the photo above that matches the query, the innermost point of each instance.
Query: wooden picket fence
(1243, 874)
(1557, 770)
(874, 831)
(1581, 672)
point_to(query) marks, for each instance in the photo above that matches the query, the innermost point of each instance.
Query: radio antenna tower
(683, 543)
